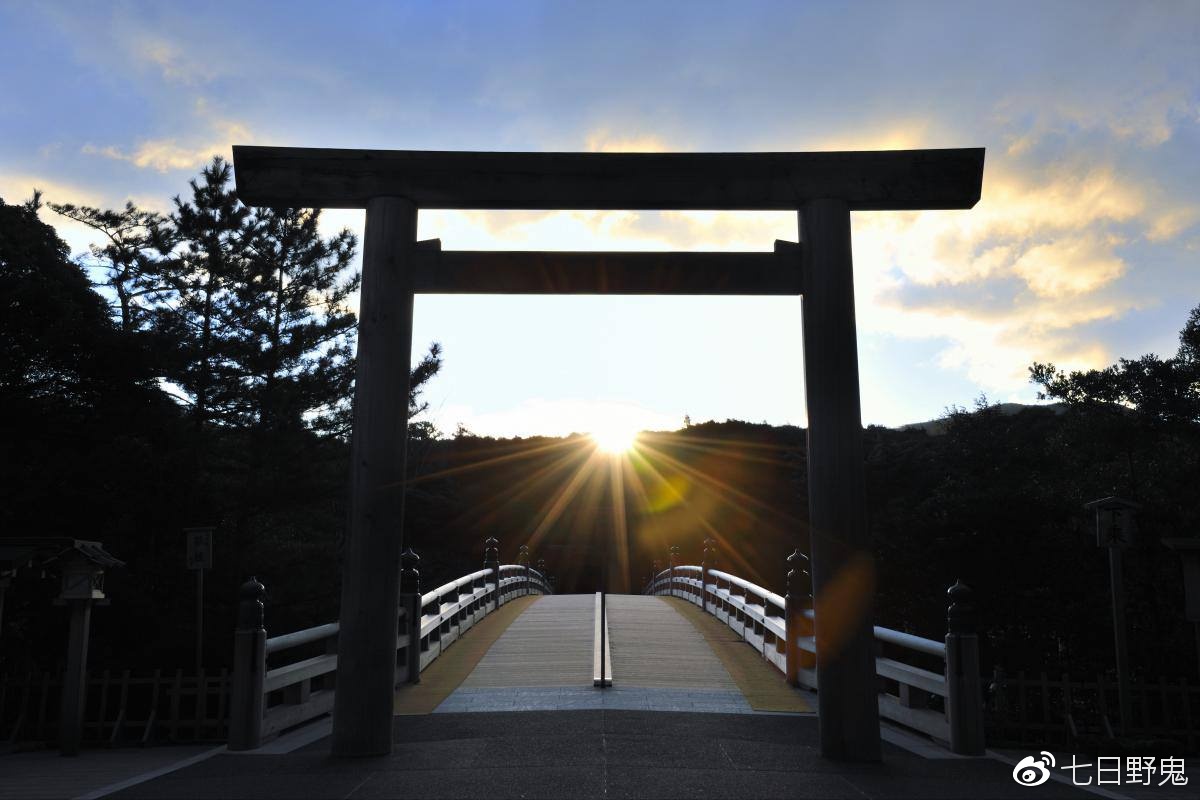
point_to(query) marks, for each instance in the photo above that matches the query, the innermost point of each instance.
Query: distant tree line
(205, 378)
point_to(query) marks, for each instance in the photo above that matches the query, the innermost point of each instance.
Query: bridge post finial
(655, 568)
(491, 560)
(797, 625)
(960, 615)
(964, 691)
(250, 605)
(410, 577)
(410, 605)
(246, 702)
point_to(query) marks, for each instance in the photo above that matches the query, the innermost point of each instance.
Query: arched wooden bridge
(500, 640)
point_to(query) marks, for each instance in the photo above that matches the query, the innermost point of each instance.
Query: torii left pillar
(362, 711)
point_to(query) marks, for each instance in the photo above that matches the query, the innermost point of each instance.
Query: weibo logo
(1032, 772)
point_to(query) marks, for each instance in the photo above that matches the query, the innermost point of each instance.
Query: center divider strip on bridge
(451, 668)
(763, 686)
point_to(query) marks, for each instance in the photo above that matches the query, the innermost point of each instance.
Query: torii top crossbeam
(866, 180)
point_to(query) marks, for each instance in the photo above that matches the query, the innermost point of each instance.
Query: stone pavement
(630, 698)
(604, 753)
(47, 775)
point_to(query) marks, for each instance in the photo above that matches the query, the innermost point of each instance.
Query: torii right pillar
(843, 569)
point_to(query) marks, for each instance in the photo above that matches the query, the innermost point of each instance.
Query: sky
(1084, 248)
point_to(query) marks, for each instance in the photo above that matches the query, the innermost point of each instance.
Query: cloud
(604, 141)
(1070, 266)
(895, 135)
(1146, 116)
(16, 188)
(173, 64)
(1024, 276)
(540, 230)
(167, 154)
(1170, 223)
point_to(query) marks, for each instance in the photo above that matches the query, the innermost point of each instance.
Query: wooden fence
(1028, 710)
(122, 708)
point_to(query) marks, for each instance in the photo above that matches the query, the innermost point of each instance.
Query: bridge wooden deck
(662, 660)
(654, 646)
(549, 645)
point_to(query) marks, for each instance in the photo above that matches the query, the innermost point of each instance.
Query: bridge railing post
(709, 562)
(246, 702)
(674, 562)
(491, 560)
(523, 560)
(410, 603)
(796, 623)
(964, 696)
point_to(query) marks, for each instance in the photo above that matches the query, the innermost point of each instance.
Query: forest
(197, 368)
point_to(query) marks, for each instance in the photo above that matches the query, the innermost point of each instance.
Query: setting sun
(615, 437)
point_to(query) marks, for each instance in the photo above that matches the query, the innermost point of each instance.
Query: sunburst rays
(623, 500)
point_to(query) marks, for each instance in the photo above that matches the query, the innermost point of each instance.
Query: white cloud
(169, 153)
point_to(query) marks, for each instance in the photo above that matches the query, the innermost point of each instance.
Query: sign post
(1114, 530)
(199, 558)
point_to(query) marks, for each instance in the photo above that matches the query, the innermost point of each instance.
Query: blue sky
(1084, 248)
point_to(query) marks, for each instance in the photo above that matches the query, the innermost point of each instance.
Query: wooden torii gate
(393, 184)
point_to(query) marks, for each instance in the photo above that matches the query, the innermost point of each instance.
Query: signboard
(1114, 528)
(199, 548)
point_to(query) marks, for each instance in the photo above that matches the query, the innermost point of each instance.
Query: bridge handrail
(769, 633)
(303, 699)
(753, 588)
(446, 588)
(316, 633)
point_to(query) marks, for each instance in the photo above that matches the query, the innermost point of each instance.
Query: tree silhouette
(130, 256)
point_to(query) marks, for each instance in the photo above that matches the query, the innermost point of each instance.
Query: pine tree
(294, 350)
(213, 230)
(131, 256)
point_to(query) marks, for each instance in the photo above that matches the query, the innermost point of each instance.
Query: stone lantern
(81, 567)
(82, 578)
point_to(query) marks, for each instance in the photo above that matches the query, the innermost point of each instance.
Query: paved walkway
(46, 775)
(597, 754)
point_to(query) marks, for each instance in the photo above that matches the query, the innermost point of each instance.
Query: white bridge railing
(761, 618)
(269, 698)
